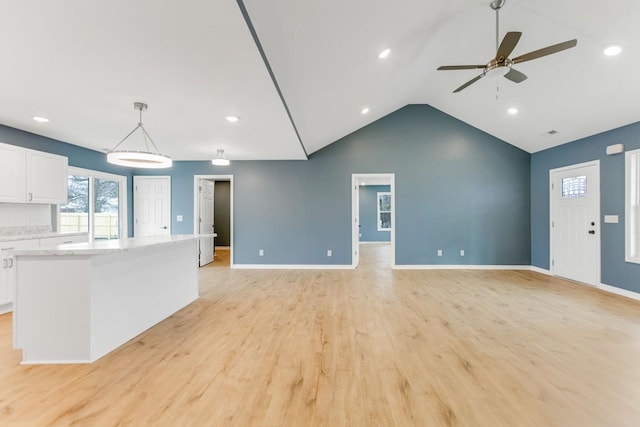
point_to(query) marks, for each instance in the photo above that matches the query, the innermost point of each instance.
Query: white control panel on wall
(611, 219)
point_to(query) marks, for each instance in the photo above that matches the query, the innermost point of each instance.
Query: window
(575, 186)
(384, 211)
(97, 205)
(632, 203)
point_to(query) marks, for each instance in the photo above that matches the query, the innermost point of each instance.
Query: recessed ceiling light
(513, 111)
(365, 110)
(384, 53)
(40, 119)
(612, 50)
(233, 119)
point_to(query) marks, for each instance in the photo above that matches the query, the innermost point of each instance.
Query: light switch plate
(179, 218)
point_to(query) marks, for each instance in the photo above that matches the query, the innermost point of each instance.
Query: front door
(205, 207)
(152, 205)
(575, 222)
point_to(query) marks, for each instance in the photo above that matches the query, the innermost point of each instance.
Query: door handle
(592, 231)
(165, 227)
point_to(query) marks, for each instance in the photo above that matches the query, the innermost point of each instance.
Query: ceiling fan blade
(461, 67)
(516, 76)
(469, 83)
(546, 51)
(509, 42)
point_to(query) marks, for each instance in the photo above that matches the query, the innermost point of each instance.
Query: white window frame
(632, 206)
(122, 198)
(378, 211)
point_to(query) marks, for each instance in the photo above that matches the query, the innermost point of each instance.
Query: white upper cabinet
(46, 178)
(13, 184)
(29, 176)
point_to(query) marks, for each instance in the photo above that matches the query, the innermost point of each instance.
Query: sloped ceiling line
(254, 34)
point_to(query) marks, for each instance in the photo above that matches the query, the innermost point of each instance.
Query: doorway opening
(213, 213)
(575, 222)
(373, 213)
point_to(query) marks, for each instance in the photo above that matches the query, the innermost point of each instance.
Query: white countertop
(104, 247)
(45, 235)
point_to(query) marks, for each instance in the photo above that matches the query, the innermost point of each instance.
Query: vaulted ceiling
(298, 74)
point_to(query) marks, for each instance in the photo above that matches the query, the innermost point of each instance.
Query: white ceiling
(84, 63)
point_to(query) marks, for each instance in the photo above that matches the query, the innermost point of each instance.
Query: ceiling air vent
(552, 132)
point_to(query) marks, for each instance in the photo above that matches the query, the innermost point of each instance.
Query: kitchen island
(74, 303)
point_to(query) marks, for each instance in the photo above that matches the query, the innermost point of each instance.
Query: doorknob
(592, 231)
(165, 227)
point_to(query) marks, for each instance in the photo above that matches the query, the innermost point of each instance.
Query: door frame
(355, 198)
(135, 199)
(551, 210)
(196, 179)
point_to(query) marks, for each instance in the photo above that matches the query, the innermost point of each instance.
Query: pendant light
(139, 159)
(220, 160)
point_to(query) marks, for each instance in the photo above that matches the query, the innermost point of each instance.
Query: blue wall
(615, 271)
(456, 188)
(369, 214)
(78, 157)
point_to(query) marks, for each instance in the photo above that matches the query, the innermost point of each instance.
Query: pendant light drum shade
(139, 159)
(220, 160)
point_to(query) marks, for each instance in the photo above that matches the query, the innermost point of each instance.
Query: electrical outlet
(329, 252)
(261, 252)
(439, 252)
(461, 252)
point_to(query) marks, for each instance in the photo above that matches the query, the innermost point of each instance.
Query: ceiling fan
(502, 62)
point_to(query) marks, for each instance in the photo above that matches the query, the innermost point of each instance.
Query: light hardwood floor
(358, 348)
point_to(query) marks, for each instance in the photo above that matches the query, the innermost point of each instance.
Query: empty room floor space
(363, 347)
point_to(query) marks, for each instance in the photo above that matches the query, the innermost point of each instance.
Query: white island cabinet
(75, 303)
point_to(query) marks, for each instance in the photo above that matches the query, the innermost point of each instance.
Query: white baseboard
(6, 308)
(540, 270)
(292, 266)
(619, 291)
(459, 267)
(384, 242)
(58, 362)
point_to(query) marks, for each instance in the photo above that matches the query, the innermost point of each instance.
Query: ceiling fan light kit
(139, 159)
(502, 62)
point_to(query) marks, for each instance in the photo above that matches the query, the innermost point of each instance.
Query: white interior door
(355, 222)
(152, 205)
(575, 223)
(205, 207)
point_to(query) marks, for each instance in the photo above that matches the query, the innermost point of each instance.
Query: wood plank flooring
(354, 348)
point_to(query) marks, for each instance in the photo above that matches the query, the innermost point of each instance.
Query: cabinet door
(8, 272)
(4, 283)
(47, 176)
(13, 187)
